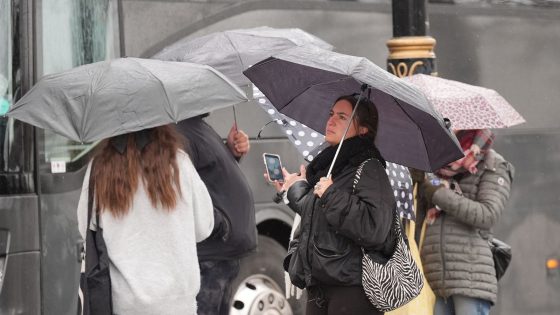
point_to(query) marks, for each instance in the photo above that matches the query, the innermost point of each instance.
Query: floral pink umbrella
(467, 106)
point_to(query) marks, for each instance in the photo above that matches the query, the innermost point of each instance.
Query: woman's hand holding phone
(291, 178)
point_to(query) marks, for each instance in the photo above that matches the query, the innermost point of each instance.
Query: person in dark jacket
(338, 220)
(235, 234)
(463, 204)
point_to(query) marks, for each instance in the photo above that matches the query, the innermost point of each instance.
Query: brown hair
(366, 114)
(116, 176)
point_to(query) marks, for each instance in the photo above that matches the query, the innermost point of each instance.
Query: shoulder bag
(501, 253)
(95, 282)
(394, 283)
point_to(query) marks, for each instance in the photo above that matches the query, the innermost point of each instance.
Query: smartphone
(273, 167)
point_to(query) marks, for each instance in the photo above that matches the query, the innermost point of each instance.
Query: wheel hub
(259, 295)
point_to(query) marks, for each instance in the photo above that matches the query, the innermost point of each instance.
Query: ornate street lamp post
(410, 50)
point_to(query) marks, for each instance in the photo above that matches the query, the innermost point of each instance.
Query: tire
(259, 287)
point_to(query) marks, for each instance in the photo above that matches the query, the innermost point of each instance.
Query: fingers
(238, 141)
(277, 185)
(302, 170)
(285, 172)
(242, 147)
(325, 181)
(322, 185)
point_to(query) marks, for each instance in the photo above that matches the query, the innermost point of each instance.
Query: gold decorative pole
(410, 50)
(411, 54)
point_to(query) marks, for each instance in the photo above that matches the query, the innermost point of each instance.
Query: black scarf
(353, 152)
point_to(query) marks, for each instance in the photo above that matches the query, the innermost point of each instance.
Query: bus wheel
(259, 286)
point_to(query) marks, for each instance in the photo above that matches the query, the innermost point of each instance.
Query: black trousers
(338, 300)
(215, 292)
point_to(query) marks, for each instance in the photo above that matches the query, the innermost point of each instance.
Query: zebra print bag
(392, 284)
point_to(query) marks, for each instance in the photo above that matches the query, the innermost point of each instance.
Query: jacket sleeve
(297, 194)
(221, 225)
(366, 215)
(493, 193)
(203, 211)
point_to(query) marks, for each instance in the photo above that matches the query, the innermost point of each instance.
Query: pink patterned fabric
(475, 143)
(467, 106)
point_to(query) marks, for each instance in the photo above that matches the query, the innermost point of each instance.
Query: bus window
(75, 33)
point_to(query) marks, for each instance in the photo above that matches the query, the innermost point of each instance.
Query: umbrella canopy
(310, 142)
(233, 51)
(467, 106)
(110, 98)
(303, 83)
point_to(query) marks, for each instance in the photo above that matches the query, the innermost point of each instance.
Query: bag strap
(359, 174)
(91, 189)
(396, 218)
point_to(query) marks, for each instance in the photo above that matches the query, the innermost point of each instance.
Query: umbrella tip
(447, 123)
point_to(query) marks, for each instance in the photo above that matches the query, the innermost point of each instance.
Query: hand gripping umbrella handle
(363, 89)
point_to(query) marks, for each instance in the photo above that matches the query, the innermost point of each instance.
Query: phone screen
(273, 167)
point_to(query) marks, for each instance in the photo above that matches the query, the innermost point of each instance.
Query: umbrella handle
(235, 119)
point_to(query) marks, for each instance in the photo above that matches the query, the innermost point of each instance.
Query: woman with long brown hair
(153, 208)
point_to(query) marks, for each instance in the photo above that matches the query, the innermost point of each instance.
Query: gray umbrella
(233, 51)
(110, 98)
(303, 83)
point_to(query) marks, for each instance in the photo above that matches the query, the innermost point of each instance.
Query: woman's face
(339, 118)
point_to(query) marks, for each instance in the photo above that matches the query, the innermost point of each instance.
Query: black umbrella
(303, 83)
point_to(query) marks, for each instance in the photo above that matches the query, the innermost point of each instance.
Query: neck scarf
(475, 144)
(353, 152)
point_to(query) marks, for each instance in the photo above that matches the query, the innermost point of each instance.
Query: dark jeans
(461, 305)
(215, 286)
(336, 300)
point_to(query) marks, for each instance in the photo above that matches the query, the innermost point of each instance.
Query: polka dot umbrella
(310, 142)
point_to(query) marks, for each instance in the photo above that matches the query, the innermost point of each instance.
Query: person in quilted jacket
(464, 201)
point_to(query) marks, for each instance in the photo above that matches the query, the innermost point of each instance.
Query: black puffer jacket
(327, 246)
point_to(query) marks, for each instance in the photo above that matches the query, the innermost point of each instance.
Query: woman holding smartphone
(338, 219)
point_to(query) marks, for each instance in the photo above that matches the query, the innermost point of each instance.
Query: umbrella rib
(236, 51)
(314, 85)
(91, 92)
(174, 115)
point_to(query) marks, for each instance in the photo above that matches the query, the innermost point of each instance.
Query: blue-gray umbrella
(110, 98)
(233, 51)
(303, 83)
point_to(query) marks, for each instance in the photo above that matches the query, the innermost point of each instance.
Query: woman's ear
(363, 131)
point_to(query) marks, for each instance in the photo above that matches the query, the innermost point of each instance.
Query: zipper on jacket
(442, 241)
